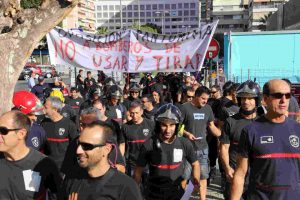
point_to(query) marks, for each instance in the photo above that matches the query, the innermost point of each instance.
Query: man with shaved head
(270, 147)
(101, 181)
(25, 173)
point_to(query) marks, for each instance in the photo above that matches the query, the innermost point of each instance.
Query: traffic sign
(213, 49)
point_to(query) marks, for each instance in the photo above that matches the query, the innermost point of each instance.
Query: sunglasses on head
(5, 131)
(279, 95)
(87, 146)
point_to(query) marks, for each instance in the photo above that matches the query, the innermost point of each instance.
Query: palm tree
(263, 20)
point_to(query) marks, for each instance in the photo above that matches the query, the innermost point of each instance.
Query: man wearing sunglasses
(101, 181)
(148, 106)
(25, 173)
(270, 146)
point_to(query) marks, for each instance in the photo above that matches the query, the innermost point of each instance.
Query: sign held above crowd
(131, 51)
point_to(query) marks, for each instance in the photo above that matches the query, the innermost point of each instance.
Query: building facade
(232, 14)
(173, 16)
(206, 10)
(83, 16)
(260, 11)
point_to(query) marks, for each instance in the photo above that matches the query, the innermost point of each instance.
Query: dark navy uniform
(273, 151)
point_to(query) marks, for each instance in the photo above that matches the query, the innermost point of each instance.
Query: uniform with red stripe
(59, 134)
(168, 160)
(134, 135)
(275, 166)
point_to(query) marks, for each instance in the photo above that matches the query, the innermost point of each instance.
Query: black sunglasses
(190, 96)
(280, 95)
(4, 130)
(89, 147)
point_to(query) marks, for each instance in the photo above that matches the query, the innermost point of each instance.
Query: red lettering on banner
(188, 61)
(168, 63)
(139, 60)
(60, 48)
(107, 59)
(147, 48)
(198, 60)
(86, 44)
(97, 64)
(172, 47)
(135, 47)
(177, 62)
(98, 46)
(117, 63)
(72, 47)
(124, 62)
(158, 59)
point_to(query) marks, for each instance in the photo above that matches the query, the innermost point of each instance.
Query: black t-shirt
(68, 112)
(128, 101)
(134, 135)
(231, 133)
(166, 160)
(226, 109)
(112, 185)
(89, 84)
(272, 150)
(75, 103)
(28, 178)
(196, 120)
(59, 134)
(149, 114)
(116, 113)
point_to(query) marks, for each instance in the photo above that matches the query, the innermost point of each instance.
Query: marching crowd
(149, 139)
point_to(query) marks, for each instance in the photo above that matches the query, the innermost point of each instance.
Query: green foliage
(30, 3)
(151, 28)
(102, 30)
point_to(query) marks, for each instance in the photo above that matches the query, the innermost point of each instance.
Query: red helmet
(28, 103)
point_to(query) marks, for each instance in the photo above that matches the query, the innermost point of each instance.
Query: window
(154, 6)
(129, 14)
(167, 19)
(104, 7)
(180, 13)
(167, 6)
(99, 15)
(117, 15)
(227, 16)
(99, 7)
(193, 12)
(167, 26)
(118, 21)
(148, 20)
(124, 20)
(123, 14)
(148, 14)
(173, 6)
(186, 13)
(136, 7)
(129, 7)
(142, 20)
(161, 6)
(111, 14)
(111, 7)
(111, 21)
(142, 14)
(186, 5)
(237, 17)
(136, 14)
(193, 5)
(148, 7)
(105, 15)
(117, 7)
(180, 5)
(129, 20)
(174, 26)
(142, 7)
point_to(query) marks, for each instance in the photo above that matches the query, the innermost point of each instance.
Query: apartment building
(83, 16)
(232, 14)
(259, 11)
(173, 16)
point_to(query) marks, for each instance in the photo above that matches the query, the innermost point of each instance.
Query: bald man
(93, 147)
(270, 146)
(25, 173)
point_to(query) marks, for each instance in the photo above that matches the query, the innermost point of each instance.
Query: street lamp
(163, 14)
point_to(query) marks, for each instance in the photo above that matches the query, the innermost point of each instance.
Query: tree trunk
(17, 44)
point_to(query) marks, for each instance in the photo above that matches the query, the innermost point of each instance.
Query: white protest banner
(131, 50)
